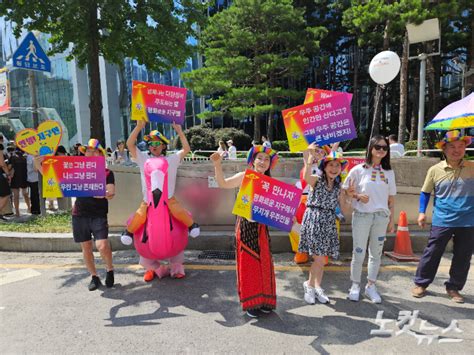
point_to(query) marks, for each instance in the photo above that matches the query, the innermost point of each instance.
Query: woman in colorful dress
(319, 237)
(255, 272)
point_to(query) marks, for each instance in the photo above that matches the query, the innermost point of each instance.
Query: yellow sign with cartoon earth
(41, 141)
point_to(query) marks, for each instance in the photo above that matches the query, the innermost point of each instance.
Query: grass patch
(51, 223)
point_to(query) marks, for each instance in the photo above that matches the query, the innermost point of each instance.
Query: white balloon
(384, 67)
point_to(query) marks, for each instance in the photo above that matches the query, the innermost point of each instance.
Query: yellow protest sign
(41, 141)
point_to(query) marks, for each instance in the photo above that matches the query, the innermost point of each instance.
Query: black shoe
(3, 218)
(95, 283)
(109, 279)
(252, 313)
(266, 310)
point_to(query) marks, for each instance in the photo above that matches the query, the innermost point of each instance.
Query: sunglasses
(379, 147)
(155, 143)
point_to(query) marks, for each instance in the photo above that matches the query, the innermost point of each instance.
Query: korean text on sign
(325, 121)
(74, 176)
(266, 200)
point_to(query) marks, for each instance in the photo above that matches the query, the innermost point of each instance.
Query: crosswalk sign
(30, 55)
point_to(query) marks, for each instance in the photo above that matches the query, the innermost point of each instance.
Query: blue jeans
(368, 228)
(463, 242)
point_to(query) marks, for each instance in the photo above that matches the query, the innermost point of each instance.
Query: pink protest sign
(326, 121)
(266, 200)
(158, 103)
(65, 176)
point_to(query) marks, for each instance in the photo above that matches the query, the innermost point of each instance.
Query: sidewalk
(208, 240)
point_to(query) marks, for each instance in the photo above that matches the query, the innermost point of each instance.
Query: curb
(208, 240)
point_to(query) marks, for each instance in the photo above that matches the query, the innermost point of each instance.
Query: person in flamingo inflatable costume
(157, 226)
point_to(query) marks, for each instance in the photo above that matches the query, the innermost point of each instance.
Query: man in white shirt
(396, 149)
(232, 150)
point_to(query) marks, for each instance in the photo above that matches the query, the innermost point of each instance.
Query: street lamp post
(426, 31)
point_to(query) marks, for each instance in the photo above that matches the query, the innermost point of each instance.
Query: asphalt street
(45, 307)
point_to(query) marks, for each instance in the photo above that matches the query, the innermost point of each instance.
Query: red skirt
(255, 272)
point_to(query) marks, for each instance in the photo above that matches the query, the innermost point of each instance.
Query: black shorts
(4, 186)
(83, 228)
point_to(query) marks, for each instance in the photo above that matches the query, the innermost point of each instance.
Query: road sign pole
(33, 96)
(34, 106)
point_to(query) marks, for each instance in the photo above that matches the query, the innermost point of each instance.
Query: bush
(199, 137)
(412, 145)
(280, 146)
(242, 140)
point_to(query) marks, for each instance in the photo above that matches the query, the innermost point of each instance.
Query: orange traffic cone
(402, 250)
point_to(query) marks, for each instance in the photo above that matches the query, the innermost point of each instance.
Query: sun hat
(92, 144)
(156, 135)
(261, 149)
(452, 136)
(332, 156)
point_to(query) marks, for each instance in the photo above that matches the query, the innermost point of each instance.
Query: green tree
(252, 51)
(154, 32)
(377, 23)
(380, 25)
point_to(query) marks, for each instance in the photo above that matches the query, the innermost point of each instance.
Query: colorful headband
(332, 156)
(156, 135)
(452, 136)
(261, 149)
(92, 144)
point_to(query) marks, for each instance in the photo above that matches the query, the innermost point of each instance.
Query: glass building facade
(54, 90)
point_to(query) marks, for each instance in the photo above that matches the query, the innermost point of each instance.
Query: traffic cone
(402, 250)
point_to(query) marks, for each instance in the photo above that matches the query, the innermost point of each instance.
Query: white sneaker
(371, 292)
(309, 293)
(321, 296)
(194, 230)
(354, 292)
(126, 239)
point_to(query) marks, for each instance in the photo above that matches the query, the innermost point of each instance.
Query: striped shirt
(453, 194)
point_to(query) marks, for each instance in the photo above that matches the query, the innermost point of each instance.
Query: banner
(315, 95)
(4, 93)
(41, 141)
(158, 103)
(65, 176)
(266, 200)
(323, 122)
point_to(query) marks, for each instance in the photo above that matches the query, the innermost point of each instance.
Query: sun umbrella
(459, 114)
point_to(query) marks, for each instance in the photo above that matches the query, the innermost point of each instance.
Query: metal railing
(415, 151)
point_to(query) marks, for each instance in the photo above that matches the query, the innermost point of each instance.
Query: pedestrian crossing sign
(30, 55)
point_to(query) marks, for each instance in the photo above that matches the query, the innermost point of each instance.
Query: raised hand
(216, 158)
(177, 127)
(141, 124)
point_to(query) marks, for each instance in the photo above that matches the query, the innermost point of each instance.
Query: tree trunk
(414, 110)
(270, 126)
(402, 118)
(270, 123)
(95, 102)
(377, 110)
(256, 129)
(433, 97)
(469, 81)
(355, 88)
(378, 90)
